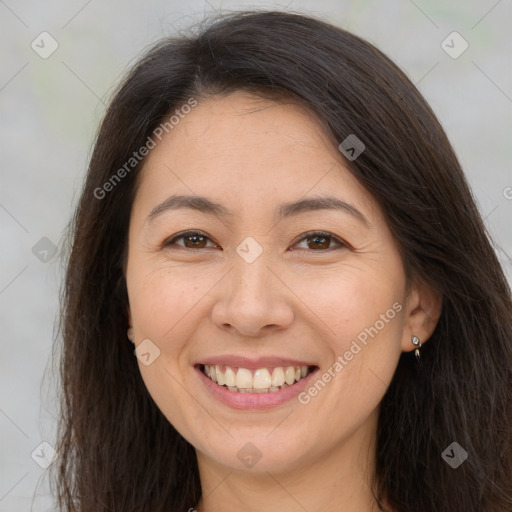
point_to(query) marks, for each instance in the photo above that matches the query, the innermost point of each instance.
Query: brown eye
(320, 241)
(191, 240)
(317, 241)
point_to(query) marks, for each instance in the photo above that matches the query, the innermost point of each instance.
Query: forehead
(241, 147)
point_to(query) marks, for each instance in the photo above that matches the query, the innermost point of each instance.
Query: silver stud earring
(130, 334)
(417, 343)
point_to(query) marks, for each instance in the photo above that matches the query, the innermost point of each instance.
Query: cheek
(161, 298)
(358, 310)
(344, 301)
(164, 310)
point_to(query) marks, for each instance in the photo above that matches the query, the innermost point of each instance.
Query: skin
(295, 300)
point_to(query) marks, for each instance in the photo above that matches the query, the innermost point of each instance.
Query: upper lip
(253, 364)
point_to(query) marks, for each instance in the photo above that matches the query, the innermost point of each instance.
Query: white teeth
(220, 375)
(243, 378)
(289, 375)
(229, 377)
(262, 380)
(278, 377)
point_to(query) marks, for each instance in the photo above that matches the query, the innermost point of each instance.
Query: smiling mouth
(261, 380)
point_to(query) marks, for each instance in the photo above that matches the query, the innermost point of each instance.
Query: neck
(338, 480)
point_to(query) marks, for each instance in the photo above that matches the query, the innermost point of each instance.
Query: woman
(275, 219)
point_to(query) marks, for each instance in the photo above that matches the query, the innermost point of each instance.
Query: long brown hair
(118, 452)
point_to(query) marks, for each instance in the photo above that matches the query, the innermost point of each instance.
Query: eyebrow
(207, 206)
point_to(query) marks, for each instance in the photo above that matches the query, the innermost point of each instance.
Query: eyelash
(309, 234)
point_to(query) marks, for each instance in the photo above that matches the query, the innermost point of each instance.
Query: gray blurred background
(59, 63)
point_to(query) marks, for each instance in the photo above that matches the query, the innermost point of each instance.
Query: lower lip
(238, 400)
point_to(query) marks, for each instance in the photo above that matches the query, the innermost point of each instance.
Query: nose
(252, 301)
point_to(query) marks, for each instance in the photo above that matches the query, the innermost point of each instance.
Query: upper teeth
(263, 379)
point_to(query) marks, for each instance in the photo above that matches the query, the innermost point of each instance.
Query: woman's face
(255, 295)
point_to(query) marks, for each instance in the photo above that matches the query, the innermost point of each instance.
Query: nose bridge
(250, 260)
(250, 280)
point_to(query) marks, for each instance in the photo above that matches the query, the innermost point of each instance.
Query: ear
(129, 315)
(422, 312)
